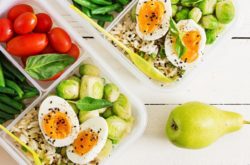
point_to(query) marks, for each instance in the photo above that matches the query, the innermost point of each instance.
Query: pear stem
(246, 122)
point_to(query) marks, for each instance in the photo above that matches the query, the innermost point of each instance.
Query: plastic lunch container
(138, 108)
(119, 55)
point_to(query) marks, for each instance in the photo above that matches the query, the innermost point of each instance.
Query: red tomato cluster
(29, 34)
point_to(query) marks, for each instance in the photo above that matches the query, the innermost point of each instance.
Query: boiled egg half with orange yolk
(58, 121)
(193, 38)
(152, 18)
(89, 142)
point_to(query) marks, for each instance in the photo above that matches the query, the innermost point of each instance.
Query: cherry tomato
(74, 51)
(6, 29)
(25, 23)
(54, 77)
(48, 49)
(27, 45)
(17, 10)
(44, 23)
(59, 40)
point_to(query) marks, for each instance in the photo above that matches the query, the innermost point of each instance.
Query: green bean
(8, 75)
(14, 86)
(87, 4)
(12, 103)
(9, 67)
(86, 11)
(105, 18)
(101, 23)
(119, 9)
(6, 90)
(27, 95)
(6, 116)
(124, 2)
(106, 9)
(2, 82)
(101, 2)
(76, 4)
(8, 109)
(2, 121)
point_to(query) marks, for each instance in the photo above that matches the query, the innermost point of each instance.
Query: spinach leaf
(89, 104)
(42, 67)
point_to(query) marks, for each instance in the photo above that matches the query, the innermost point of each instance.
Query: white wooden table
(224, 80)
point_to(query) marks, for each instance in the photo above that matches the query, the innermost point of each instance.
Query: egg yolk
(191, 40)
(150, 16)
(56, 125)
(85, 141)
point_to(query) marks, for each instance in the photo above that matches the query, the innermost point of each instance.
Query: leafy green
(89, 104)
(42, 67)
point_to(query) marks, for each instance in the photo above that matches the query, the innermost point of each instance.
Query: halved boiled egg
(152, 18)
(193, 37)
(89, 142)
(58, 121)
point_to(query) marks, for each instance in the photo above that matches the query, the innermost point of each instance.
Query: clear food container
(119, 55)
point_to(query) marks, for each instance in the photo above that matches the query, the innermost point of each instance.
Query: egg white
(184, 26)
(96, 124)
(162, 29)
(52, 102)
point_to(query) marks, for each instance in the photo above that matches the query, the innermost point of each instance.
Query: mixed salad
(78, 124)
(170, 36)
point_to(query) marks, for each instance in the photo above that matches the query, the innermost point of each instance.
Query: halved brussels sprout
(107, 113)
(209, 22)
(111, 92)
(195, 14)
(117, 128)
(122, 107)
(190, 3)
(212, 34)
(225, 11)
(75, 78)
(68, 89)
(74, 107)
(85, 115)
(207, 6)
(88, 69)
(174, 2)
(174, 10)
(106, 150)
(182, 14)
(92, 86)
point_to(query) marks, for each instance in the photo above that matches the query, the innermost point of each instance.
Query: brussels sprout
(74, 107)
(85, 115)
(207, 6)
(117, 128)
(182, 14)
(209, 22)
(107, 113)
(225, 11)
(174, 10)
(174, 2)
(75, 78)
(190, 3)
(111, 92)
(195, 14)
(92, 86)
(106, 150)
(88, 69)
(212, 34)
(68, 89)
(122, 107)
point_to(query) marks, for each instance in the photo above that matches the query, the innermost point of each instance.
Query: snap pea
(10, 102)
(101, 23)
(124, 2)
(101, 2)
(106, 9)
(6, 116)
(14, 86)
(8, 109)
(106, 17)
(87, 4)
(2, 82)
(86, 11)
(6, 90)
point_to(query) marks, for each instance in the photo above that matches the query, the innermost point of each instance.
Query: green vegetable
(225, 11)
(174, 2)
(75, 78)
(107, 113)
(106, 9)
(86, 11)
(117, 128)
(68, 89)
(8, 75)
(118, 10)
(101, 23)
(85, 115)
(92, 86)
(74, 107)
(102, 2)
(211, 35)
(86, 4)
(106, 150)
(195, 14)
(6, 116)
(8, 109)
(29, 94)
(182, 14)
(89, 104)
(88, 69)
(2, 121)
(111, 92)
(133, 14)
(122, 107)
(42, 67)
(2, 82)
(103, 17)
(6, 90)
(189, 3)
(207, 6)
(15, 87)
(10, 102)
(209, 22)
(174, 10)
(124, 2)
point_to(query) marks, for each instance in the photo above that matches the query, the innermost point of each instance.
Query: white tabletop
(223, 80)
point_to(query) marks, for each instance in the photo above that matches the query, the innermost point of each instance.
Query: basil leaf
(173, 27)
(42, 67)
(89, 104)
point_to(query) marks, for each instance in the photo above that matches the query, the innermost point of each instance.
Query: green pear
(195, 125)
